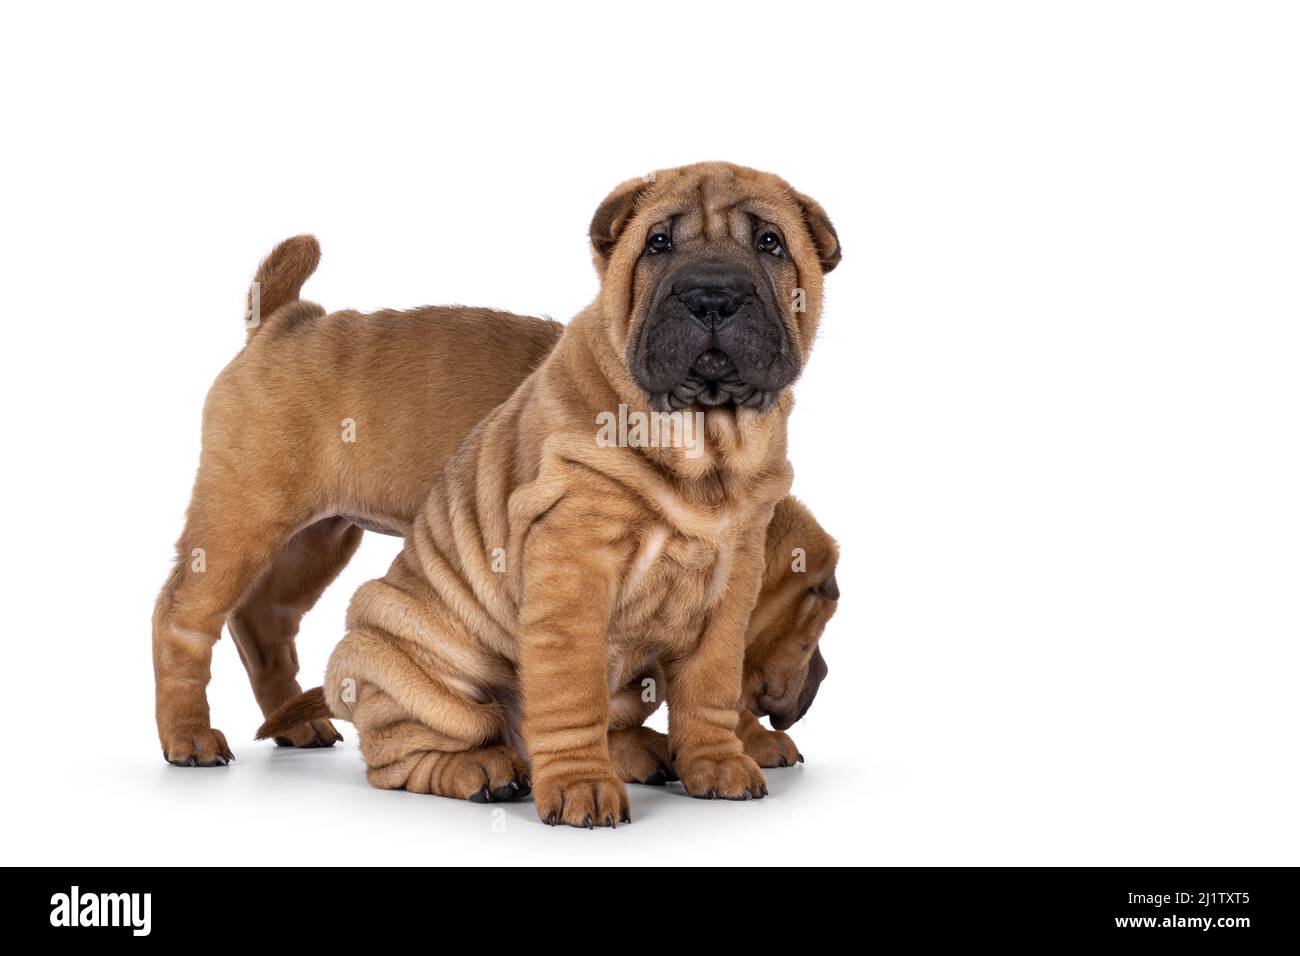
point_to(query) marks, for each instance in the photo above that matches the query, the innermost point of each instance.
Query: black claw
(657, 779)
(551, 819)
(508, 792)
(587, 822)
(609, 821)
(524, 788)
(338, 737)
(482, 796)
(800, 758)
(627, 817)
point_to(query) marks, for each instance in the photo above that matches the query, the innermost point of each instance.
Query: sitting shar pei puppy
(548, 569)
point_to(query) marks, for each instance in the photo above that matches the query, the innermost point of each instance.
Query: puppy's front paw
(594, 799)
(731, 777)
(771, 748)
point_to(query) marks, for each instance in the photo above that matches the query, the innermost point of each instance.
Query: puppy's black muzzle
(713, 336)
(817, 671)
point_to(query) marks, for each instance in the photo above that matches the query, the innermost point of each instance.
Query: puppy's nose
(705, 301)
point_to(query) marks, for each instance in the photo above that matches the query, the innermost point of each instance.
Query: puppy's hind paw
(310, 734)
(640, 755)
(205, 747)
(772, 748)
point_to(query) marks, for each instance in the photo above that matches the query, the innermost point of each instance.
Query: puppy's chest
(672, 583)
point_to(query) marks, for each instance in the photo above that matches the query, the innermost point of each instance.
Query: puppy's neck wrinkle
(583, 358)
(591, 358)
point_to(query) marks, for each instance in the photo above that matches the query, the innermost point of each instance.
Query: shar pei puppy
(548, 568)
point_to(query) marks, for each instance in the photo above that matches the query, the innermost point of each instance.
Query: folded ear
(612, 217)
(823, 234)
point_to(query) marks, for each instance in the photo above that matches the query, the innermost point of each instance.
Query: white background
(1052, 418)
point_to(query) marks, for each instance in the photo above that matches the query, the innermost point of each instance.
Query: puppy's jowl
(622, 562)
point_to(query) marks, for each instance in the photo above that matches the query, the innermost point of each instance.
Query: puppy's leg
(405, 751)
(230, 537)
(569, 588)
(266, 621)
(768, 748)
(409, 756)
(704, 693)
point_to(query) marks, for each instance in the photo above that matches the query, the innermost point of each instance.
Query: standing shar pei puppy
(548, 569)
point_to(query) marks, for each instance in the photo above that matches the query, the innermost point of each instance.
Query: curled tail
(279, 279)
(309, 705)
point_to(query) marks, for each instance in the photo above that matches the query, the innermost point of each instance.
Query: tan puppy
(281, 498)
(547, 569)
(319, 428)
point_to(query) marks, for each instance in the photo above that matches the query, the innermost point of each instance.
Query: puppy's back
(357, 412)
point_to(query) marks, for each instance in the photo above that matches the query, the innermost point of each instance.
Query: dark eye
(768, 242)
(659, 242)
